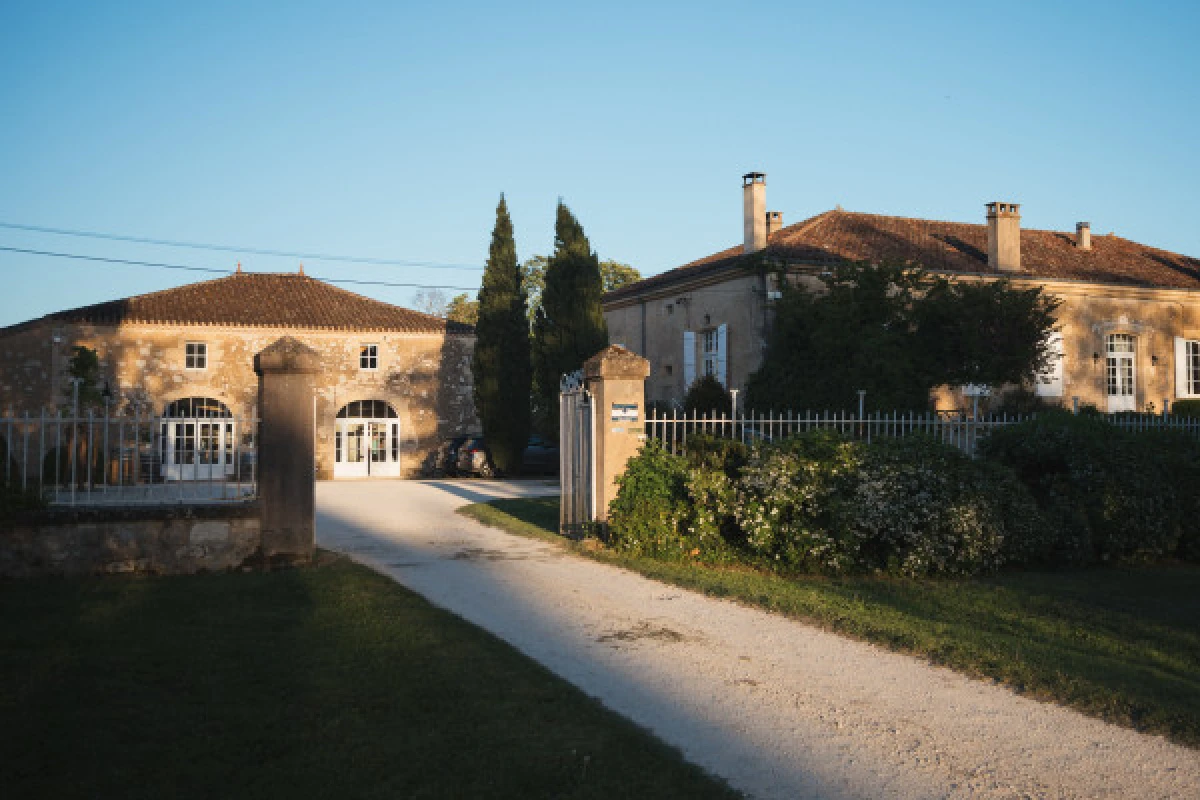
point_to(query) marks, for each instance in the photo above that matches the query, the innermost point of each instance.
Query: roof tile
(838, 236)
(260, 299)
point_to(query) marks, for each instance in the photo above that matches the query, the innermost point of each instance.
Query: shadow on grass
(330, 681)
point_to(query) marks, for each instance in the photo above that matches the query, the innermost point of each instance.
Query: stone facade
(425, 377)
(653, 325)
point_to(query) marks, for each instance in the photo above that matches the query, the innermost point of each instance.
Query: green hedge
(1110, 495)
(1058, 490)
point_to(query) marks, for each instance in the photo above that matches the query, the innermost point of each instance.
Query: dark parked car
(541, 457)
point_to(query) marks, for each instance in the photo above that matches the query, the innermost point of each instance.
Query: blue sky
(388, 130)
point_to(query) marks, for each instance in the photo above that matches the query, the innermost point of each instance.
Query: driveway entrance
(776, 707)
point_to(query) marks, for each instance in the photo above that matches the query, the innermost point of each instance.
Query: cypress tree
(569, 327)
(500, 365)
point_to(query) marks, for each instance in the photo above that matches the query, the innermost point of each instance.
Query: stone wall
(167, 541)
(425, 377)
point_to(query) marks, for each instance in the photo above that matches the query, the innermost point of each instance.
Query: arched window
(192, 449)
(366, 440)
(367, 409)
(191, 407)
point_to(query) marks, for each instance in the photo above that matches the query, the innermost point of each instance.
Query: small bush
(1186, 408)
(647, 516)
(707, 397)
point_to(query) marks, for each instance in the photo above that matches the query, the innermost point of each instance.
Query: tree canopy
(500, 364)
(462, 309)
(897, 332)
(613, 274)
(569, 326)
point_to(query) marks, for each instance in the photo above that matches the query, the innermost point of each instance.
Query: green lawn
(323, 682)
(1120, 644)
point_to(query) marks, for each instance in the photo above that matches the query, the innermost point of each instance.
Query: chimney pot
(754, 212)
(774, 222)
(1004, 236)
(1083, 235)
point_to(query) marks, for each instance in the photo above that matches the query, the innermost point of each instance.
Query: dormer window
(195, 355)
(368, 356)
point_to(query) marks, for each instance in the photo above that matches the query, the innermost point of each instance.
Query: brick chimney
(1083, 235)
(1004, 236)
(774, 222)
(754, 211)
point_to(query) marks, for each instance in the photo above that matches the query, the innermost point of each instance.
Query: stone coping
(101, 514)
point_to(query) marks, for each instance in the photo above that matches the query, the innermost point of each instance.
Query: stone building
(393, 383)
(1129, 324)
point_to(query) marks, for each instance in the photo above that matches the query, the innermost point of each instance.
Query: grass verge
(1119, 644)
(324, 682)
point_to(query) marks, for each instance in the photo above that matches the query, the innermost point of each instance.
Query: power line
(161, 265)
(258, 251)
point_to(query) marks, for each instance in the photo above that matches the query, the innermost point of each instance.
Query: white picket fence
(959, 429)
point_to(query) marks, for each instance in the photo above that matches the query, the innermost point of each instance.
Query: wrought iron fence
(961, 430)
(108, 459)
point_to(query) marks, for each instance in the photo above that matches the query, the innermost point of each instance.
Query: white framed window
(1049, 383)
(195, 355)
(368, 356)
(1120, 375)
(712, 352)
(1187, 367)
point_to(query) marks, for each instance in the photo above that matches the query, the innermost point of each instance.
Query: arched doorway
(366, 441)
(198, 440)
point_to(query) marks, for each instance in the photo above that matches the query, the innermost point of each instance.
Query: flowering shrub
(923, 508)
(822, 503)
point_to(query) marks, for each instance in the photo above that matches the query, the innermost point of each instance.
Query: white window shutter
(1050, 382)
(1181, 368)
(689, 359)
(723, 354)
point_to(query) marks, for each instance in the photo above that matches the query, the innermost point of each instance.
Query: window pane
(1193, 367)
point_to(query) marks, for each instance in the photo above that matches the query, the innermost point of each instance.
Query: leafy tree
(707, 397)
(614, 274)
(462, 309)
(84, 367)
(534, 270)
(985, 333)
(569, 326)
(897, 332)
(501, 363)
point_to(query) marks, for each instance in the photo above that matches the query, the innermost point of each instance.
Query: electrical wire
(225, 248)
(161, 265)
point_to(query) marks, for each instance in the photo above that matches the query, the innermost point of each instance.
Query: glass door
(1120, 373)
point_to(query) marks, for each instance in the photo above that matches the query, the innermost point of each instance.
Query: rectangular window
(368, 356)
(1187, 367)
(712, 352)
(1193, 367)
(195, 355)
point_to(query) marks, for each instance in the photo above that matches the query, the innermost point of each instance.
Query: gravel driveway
(776, 707)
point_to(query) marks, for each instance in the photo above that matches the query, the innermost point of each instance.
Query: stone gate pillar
(287, 496)
(616, 378)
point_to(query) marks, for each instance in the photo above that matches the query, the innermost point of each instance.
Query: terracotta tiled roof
(259, 299)
(950, 246)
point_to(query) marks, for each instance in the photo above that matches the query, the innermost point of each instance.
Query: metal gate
(576, 456)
